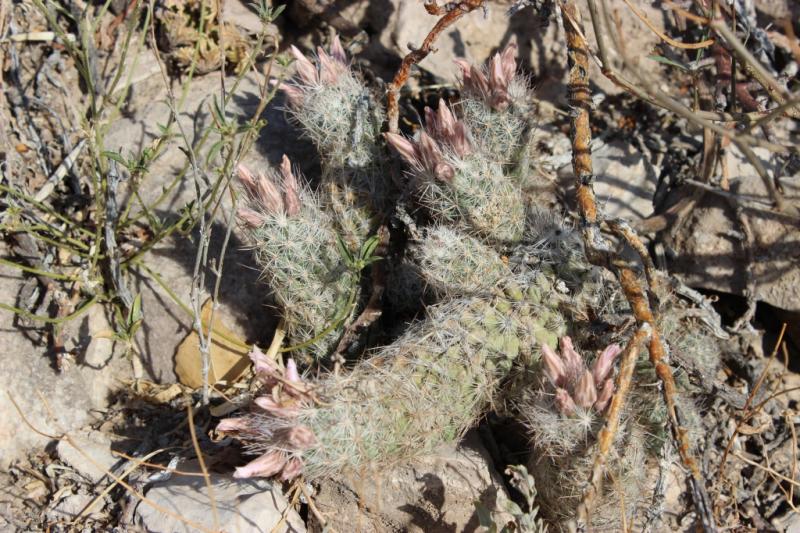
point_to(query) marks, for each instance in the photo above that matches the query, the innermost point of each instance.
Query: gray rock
(709, 250)
(53, 402)
(436, 493)
(71, 506)
(95, 445)
(242, 505)
(624, 181)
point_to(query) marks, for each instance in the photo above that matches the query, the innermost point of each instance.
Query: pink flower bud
(406, 148)
(268, 195)
(337, 51)
(564, 402)
(573, 362)
(293, 468)
(329, 69)
(461, 142)
(508, 60)
(553, 366)
(247, 178)
(262, 363)
(585, 392)
(432, 159)
(294, 94)
(291, 371)
(269, 404)
(602, 366)
(266, 465)
(305, 68)
(233, 425)
(291, 195)
(252, 218)
(604, 397)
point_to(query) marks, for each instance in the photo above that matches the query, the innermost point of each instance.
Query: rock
(101, 346)
(242, 505)
(52, 402)
(243, 297)
(624, 181)
(70, 507)
(95, 445)
(709, 253)
(432, 494)
(227, 361)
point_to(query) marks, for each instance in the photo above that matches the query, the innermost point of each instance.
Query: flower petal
(266, 465)
(605, 362)
(553, 366)
(585, 391)
(564, 402)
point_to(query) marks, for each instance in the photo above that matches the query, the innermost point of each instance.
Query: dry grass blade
(211, 498)
(666, 38)
(747, 410)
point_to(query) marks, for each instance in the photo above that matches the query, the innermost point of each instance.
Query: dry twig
(451, 13)
(599, 252)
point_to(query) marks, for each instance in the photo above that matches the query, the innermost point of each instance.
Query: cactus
(509, 280)
(563, 413)
(334, 109)
(425, 389)
(496, 106)
(340, 116)
(295, 244)
(459, 184)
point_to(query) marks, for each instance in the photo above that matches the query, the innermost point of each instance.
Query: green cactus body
(455, 264)
(425, 389)
(343, 122)
(479, 198)
(500, 133)
(304, 269)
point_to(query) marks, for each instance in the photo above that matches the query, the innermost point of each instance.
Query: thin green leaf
(667, 61)
(344, 252)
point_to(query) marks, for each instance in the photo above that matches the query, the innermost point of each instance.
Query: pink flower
(491, 84)
(327, 71)
(266, 465)
(267, 195)
(575, 385)
(273, 425)
(442, 131)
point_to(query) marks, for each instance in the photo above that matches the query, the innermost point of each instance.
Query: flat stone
(256, 506)
(71, 506)
(624, 182)
(93, 444)
(709, 250)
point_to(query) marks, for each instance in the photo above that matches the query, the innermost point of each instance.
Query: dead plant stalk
(600, 252)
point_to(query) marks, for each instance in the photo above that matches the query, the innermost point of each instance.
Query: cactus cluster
(502, 280)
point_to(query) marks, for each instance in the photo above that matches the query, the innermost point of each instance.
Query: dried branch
(606, 436)
(451, 13)
(599, 252)
(755, 69)
(661, 35)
